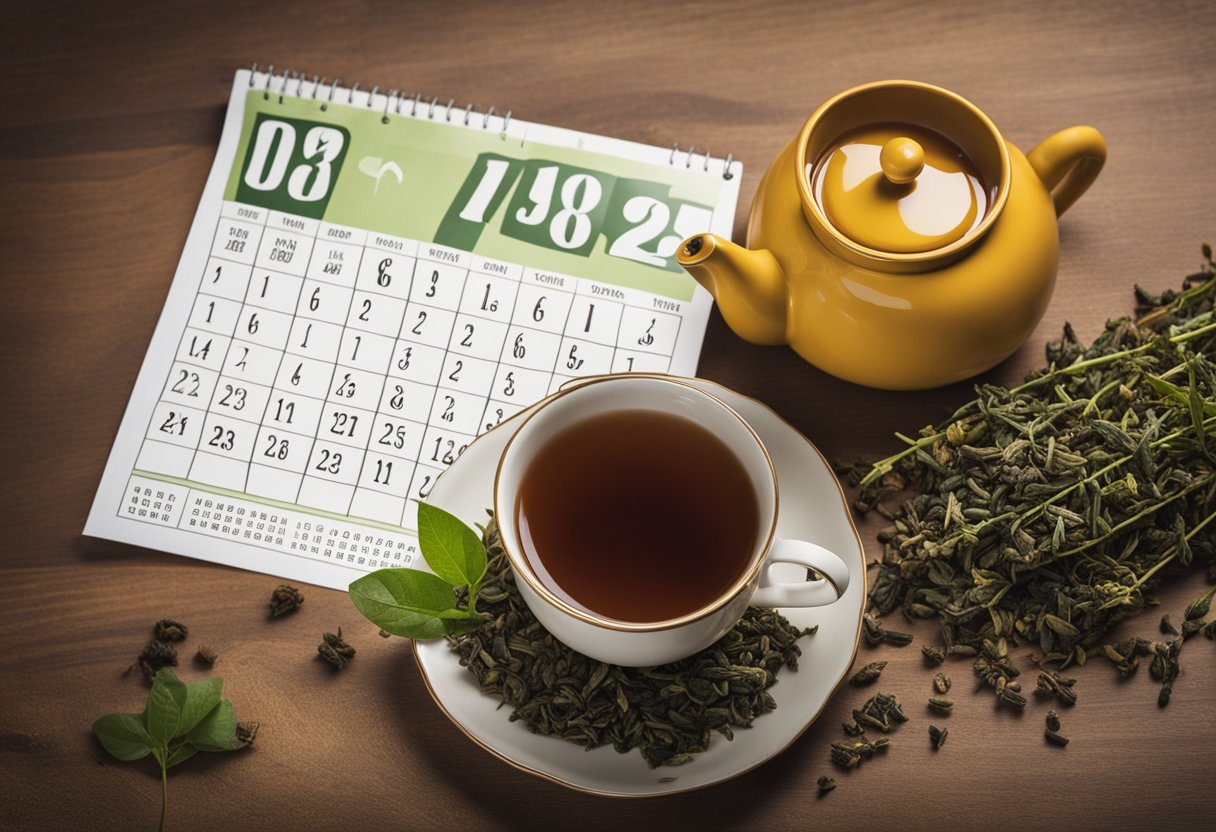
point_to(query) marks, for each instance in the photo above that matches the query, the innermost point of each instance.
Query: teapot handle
(1068, 163)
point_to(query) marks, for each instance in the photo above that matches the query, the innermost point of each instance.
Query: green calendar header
(559, 209)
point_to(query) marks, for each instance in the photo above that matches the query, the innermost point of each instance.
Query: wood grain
(111, 118)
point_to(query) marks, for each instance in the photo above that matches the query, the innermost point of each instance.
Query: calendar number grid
(340, 371)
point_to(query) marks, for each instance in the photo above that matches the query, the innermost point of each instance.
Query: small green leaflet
(163, 710)
(417, 604)
(411, 603)
(179, 720)
(216, 731)
(124, 736)
(452, 550)
(200, 699)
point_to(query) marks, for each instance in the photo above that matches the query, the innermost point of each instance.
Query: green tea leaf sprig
(422, 605)
(179, 720)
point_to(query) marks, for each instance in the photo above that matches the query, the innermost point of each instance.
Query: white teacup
(642, 644)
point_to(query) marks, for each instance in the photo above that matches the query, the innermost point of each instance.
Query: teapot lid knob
(902, 159)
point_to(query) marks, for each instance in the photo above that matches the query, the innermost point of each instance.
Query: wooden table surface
(111, 119)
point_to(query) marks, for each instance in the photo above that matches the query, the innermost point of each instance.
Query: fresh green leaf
(411, 603)
(411, 588)
(180, 754)
(124, 736)
(173, 708)
(163, 712)
(452, 550)
(201, 697)
(217, 730)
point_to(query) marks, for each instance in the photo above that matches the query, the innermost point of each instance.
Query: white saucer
(812, 508)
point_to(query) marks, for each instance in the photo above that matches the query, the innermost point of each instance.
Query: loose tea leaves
(876, 634)
(882, 712)
(940, 704)
(932, 654)
(1167, 626)
(826, 784)
(896, 638)
(998, 672)
(1164, 668)
(169, 630)
(334, 650)
(1044, 514)
(937, 736)
(1055, 738)
(179, 720)
(851, 753)
(1051, 682)
(206, 655)
(156, 655)
(285, 599)
(160, 651)
(867, 674)
(668, 712)
(247, 732)
(1126, 654)
(1198, 608)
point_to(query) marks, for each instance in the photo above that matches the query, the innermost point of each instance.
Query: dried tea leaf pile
(1044, 514)
(668, 713)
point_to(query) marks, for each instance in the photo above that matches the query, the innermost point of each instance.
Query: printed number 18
(570, 227)
(564, 208)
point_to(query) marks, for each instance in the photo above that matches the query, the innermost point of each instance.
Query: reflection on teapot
(899, 241)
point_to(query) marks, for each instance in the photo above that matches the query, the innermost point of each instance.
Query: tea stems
(1045, 513)
(1133, 519)
(1180, 302)
(1102, 360)
(1174, 551)
(164, 795)
(884, 466)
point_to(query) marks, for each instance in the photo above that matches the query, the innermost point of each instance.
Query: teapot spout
(749, 286)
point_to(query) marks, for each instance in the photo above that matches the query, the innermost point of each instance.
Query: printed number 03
(272, 149)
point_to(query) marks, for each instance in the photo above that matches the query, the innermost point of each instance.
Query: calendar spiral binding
(396, 101)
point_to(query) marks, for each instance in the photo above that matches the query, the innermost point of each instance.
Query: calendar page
(371, 282)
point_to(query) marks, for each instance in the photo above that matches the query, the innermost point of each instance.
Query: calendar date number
(567, 208)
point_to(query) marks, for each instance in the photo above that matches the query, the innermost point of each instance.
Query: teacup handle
(1068, 163)
(802, 593)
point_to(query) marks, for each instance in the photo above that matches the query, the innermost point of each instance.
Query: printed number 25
(650, 218)
(272, 148)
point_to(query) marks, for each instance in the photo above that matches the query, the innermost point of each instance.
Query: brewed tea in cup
(636, 515)
(639, 516)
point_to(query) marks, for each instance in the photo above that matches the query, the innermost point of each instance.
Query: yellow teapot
(899, 241)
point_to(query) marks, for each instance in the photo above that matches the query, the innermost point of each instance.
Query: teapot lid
(900, 188)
